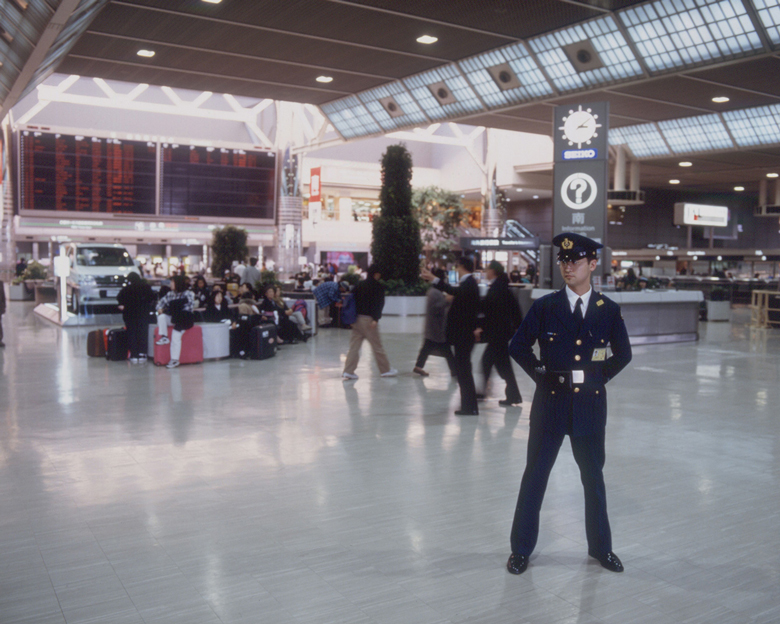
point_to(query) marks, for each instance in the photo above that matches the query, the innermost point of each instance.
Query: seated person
(217, 310)
(286, 330)
(175, 307)
(295, 317)
(201, 291)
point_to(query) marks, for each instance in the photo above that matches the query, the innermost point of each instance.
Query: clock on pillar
(580, 173)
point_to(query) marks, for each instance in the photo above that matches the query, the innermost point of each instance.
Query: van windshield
(103, 257)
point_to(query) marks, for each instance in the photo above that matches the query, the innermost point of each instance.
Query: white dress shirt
(573, 296)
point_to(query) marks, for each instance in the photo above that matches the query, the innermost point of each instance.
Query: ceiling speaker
(442, 93)
(391, 106)
(583, 56)
(505, 77)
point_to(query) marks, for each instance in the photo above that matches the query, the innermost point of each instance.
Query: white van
(97, 273)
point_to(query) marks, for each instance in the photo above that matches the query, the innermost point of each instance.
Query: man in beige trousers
(369, 301)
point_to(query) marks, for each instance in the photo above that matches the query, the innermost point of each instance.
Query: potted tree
(719, 305)
(396, 246)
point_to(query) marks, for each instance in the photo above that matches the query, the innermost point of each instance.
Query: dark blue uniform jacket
(581, 409)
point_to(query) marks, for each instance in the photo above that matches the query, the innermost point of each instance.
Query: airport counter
(655, 316)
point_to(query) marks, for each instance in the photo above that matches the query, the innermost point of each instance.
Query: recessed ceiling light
(427, 39)
(213, 1)
(739, 188)
(145, 53)
(686, 163)
(674, 181)
(721, 99)
(772, 175)
(536, 197)
(324, 78)
(519, 190)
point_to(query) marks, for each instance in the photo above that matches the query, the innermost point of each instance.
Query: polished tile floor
(274, 492)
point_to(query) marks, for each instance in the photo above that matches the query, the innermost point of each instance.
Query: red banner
(315, 188)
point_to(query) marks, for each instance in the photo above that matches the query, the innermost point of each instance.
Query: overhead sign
(701, 214)
(580, 172)
(508, 244)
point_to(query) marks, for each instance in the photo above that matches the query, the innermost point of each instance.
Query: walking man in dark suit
(500, 319)
(573, 327)
(461, 325)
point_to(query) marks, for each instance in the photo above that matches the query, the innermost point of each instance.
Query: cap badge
(567, 244)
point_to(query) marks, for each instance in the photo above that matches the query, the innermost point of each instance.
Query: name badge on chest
(599, 355)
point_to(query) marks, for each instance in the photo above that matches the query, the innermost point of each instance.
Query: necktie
(578, 311)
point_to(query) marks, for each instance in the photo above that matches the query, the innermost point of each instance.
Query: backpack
(300, 306)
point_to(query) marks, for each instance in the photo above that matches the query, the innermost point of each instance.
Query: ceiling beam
(252, 57)
(38, 55)
(292, 33)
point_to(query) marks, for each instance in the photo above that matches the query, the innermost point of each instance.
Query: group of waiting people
(177, 305)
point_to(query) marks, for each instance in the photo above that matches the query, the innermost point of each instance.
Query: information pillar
(580, 174)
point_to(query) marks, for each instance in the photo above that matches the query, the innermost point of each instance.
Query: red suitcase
(191, 347)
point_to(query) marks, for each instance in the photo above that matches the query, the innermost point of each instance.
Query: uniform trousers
(543, 447)
(364, 329)
(162, 327)
(431, 347)
(497, 354)
(468, 392)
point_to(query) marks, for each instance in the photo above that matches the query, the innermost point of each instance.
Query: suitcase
(116, 345)
(96, 343)
(262, 342)
(191, 347)
(239, 335)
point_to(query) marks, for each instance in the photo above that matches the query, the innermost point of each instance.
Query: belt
(565, 379)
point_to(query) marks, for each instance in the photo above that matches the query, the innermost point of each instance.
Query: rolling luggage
(116, 345)
(262, 341)
(239, 335)
(96, 343)
(191, 347)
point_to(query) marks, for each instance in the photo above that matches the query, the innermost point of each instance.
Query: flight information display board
(217, 182)
(86, 174)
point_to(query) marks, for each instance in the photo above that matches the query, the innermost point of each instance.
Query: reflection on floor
(274, 492)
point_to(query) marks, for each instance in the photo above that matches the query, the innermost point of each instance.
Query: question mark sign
(579, 187)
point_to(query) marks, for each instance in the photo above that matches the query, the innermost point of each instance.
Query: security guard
(573, 327)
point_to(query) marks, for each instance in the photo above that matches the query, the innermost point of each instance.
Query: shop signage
(580, 171)
(315, 187)
(701, 214)
(508, 244)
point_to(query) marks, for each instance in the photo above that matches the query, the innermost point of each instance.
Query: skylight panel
(619, 62)
(412, 114)
(465, 100)
(643, 140)
(533, 83)
(682, 33)
(696, 134)
(769, 14)
(754, 126)
(350, 117)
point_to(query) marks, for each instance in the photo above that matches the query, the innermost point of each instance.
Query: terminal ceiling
(277, 49)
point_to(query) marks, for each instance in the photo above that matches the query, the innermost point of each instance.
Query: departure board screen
(217, 182)
(87, 174)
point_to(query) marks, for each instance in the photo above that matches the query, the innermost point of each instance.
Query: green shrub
(396, 244)
(34, 271)
(228, 244)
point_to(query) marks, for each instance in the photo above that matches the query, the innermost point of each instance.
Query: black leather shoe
(609, 561)
(505, 403)
(517, 564)
(466, 413)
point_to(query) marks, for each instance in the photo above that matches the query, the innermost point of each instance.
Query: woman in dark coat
(286, 330)
(500, 320)
(217, 309)
(135, 301)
